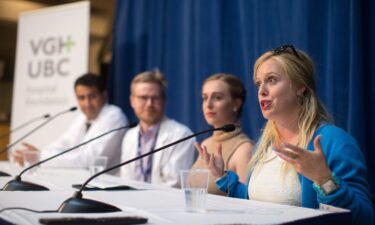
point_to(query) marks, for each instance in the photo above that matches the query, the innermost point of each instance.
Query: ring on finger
(294, 156)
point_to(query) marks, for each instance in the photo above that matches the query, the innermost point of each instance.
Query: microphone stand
(3, 174)
(18, 185)
(77, 204)
(25, 124)
(36, 128)
(32, 131)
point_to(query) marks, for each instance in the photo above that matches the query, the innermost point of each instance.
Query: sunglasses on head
(285, 49)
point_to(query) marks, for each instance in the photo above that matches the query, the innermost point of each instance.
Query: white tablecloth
(161, 205)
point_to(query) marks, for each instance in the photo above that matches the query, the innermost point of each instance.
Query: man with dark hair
(96, 118)
(91, 80)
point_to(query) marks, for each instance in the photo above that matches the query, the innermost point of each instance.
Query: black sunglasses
(285, 49)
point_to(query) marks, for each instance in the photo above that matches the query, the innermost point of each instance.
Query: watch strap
(320, 190)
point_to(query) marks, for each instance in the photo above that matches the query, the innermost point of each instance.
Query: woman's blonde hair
(299, 69)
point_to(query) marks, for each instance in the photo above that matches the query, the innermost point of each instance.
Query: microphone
(24, 125)
(77, 204)
(36, 128)
(26, 135)
(18, 185)
(2, 174)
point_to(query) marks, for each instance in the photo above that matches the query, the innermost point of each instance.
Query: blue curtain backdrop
(189, 40)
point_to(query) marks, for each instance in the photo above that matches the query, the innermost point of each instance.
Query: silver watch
(328, 186)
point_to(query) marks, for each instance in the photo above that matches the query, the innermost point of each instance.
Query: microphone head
(74, 108)
(132, 124)
(47, 116)
(228, 128)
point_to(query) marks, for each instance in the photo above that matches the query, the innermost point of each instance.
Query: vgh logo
(50, 56)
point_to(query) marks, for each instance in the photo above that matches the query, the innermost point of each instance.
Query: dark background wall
(190, 40)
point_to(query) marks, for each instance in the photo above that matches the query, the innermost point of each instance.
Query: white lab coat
(166, 163)
(110, 117)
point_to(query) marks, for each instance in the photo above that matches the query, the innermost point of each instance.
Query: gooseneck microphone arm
(3, 174)
(17, 184)
(32, 131)
(78, 205)
(24, 125)
(150, 153)
(36, 128)
(77, 146)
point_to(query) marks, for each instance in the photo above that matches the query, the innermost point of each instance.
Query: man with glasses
(153, 131)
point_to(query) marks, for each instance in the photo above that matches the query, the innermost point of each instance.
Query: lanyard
(146, 169)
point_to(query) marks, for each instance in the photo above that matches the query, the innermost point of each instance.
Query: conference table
(159, 204)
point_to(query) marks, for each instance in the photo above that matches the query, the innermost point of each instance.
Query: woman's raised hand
(214, 162)
(311, 164)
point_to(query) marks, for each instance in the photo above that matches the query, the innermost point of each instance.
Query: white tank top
(268, 184)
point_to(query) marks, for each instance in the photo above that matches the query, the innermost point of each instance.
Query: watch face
(328, 186)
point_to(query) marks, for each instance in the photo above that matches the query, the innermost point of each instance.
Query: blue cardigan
(345, 159)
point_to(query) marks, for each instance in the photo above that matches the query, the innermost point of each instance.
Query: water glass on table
(194, 183)
(31, 158)
(98, 164)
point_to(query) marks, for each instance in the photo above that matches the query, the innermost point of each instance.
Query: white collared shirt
(167, 163)
(110, 117)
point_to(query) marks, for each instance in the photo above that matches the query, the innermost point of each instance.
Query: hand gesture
(214, 162)
(18, 154)
(311, 164)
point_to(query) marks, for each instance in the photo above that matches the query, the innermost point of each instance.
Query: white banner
(52, 51)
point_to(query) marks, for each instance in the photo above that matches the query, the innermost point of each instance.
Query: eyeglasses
(285, 49)
(144, 98)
